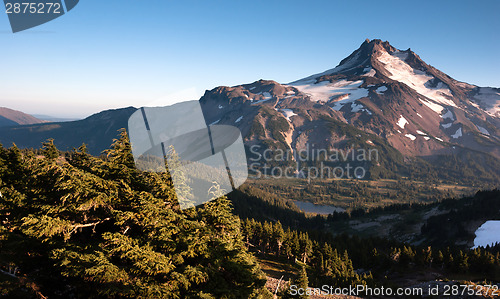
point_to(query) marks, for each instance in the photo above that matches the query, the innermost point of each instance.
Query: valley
(365, 194)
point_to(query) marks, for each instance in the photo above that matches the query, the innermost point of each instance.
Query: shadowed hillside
(96, 131)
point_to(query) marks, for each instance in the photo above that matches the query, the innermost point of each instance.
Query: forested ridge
(75, 225)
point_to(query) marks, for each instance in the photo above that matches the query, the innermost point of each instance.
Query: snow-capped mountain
(379, 89)
(423, 106)
(384, 94)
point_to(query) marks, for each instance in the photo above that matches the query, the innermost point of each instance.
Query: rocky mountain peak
(364, 61)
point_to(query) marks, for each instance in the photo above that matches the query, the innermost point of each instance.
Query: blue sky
(118, 53)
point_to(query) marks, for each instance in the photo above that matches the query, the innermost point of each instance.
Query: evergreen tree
(439, 258)
(302, 282)
(278, 236)
(49, 150)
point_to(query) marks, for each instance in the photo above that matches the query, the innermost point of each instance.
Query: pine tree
(462, 262)
(302, 282)
(267, 233)
(49, 150)
(278, 236)
(439, 258)
(305, 245)
(3, 160)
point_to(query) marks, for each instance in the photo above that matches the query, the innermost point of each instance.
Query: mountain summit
(407, 101)
(359, 60)
(379, 62)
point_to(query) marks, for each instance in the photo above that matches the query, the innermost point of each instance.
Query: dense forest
(78, 226)
(333, 260)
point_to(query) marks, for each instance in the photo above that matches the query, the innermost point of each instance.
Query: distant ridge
(49, 118)
(10, 117)
(96, 131)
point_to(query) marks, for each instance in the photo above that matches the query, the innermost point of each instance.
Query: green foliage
(107, 230)
(326, 265)
(302, 282)
(332, 260)
(49, 150)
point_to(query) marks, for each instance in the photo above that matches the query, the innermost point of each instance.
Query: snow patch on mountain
(487, 234)
(324, 91)
(489, 99)
(267, 95)
(482, 130)
(420, 132)
(446, 126)
(457, 134)
(449, 115)
(412, 137)
(259, 101)
(287, 113)
(381, 89)
(356, 107)
(369, 72)
(239, 119)
(402, 122)
(433, 106)
(415, 79)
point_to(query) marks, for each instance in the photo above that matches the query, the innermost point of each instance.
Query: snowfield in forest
(487, 234)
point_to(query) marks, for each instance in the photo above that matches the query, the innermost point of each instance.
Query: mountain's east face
(10, 117)
(378, 89)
